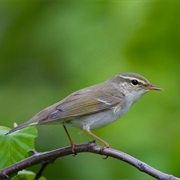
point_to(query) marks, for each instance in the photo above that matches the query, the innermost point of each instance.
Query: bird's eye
(134, 82)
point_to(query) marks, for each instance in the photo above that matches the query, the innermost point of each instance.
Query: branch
(91, 147)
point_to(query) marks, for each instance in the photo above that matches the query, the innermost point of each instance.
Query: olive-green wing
(82, 103)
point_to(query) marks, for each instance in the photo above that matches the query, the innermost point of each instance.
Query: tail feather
(21, 126)
(42, 115)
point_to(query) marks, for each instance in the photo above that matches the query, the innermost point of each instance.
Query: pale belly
(97, 120)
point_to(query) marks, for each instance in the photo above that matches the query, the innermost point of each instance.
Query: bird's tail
(21, 126)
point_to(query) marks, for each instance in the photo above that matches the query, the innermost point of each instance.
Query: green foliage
(26, 175)
(15, 146)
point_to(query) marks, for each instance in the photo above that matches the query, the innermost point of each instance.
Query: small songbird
(95, 106)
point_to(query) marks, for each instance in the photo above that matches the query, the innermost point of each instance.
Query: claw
(73, 149)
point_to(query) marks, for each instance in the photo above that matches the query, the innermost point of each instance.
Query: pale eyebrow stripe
(131, 78)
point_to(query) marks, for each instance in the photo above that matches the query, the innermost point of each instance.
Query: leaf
(15, 147)
(26, 175)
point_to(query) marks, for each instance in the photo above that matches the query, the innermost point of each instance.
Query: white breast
(98, 120)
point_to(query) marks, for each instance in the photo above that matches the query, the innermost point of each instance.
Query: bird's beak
(152, 87)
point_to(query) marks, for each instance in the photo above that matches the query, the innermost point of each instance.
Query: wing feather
(83, 102)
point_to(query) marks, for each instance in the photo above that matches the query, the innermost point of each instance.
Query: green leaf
(26, 175)
(15, 147)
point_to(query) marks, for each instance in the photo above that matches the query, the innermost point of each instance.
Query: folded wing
(81, 103)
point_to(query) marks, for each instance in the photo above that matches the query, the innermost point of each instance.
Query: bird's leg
(106, 145)
(71, 141)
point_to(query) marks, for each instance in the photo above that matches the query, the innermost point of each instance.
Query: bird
(94, 107)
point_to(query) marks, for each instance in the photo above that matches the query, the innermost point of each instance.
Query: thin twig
(39, 173)
(91, 147)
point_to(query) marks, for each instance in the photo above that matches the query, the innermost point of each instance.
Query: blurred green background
(48, 49)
